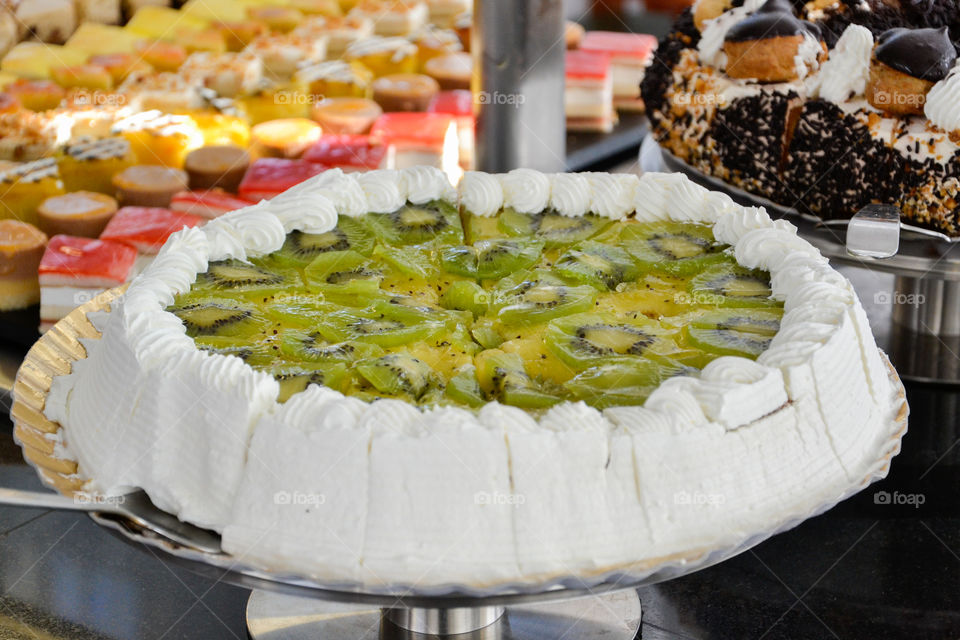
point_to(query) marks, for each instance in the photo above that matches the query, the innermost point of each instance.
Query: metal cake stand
(924, 339)
(287, 606)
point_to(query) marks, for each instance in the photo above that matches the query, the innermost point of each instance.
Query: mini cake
(90, 166)
(340, 32)
(588, 92)
(428, 139)
(237, 34)
(392, 17)
(451, 71)
(228, 74)
(80, 213)
(335, 79)
(76, 270)
(207, 204)
(50, 21)
(746, 94)
(154, 21)
(158, 138)
(436, 42)
(216, 166)
(120, 65)
(83, 76)
(104, 12)
(285, 138)
(26, 136)
(149, 185)
(146, 229)
(443, 13)
(349, 153)
(630, 54)
(21, 247)
(384, 56)
(283, 54)
(166, 92)
(161, 55)
(268, 177)
(459, 104)
(277, 18)
(404, 91)
(346, 115)
(412, 413)
(573, 33)
(102, 39)
(32, 60)
(36, 95)
(25, 186)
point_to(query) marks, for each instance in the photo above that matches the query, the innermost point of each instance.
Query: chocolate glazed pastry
(927, 54)
(883, 15)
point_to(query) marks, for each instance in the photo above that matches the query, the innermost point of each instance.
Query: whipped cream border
(824, 335)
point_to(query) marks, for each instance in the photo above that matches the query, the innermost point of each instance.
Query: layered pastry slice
(21, 247)
(588, 92)
(630, 54)
(269, 176)
(74, 271)
(91, 165)
(25, 186)
(428, 139)
(146, 229)
(207, 204)
(160, 138)
(350, 153)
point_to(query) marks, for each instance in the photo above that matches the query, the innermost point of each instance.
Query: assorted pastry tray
(55, 353)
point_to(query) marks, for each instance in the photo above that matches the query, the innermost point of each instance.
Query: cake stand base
(611, 616)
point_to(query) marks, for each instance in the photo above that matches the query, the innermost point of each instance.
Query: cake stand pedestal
(611, 616)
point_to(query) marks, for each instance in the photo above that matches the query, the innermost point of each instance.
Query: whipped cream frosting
(845, 73)
(942, 107)
(341, 490)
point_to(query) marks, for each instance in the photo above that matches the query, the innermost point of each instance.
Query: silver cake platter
(924, 339)
(285, 605)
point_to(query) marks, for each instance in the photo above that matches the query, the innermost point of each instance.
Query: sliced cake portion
(74, 271)
(146, 229)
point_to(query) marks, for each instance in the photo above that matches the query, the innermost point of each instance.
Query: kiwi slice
(253, 353)
(465, 388)
(599, 265)
(466, 295)
(344, 276)
(314, 346)
(729, 285)
(240, 276)
(417, 223)
(680, 249)
(411, 311)
(728, 342)
(487, 337)
(372, 327)
(622, 383)
(294, 378)
(412, 261)
(502, 375)
(537, 297)
(590, 339)
(554, 229)
(301, 248)
(491, 259)
(397, 374)
(765, 322)
(219, 317)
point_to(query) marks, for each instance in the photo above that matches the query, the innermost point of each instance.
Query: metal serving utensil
(135, 507)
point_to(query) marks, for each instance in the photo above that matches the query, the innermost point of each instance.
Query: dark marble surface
(863, 570)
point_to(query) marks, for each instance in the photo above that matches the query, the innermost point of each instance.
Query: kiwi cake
(530, 310)
(380, 380)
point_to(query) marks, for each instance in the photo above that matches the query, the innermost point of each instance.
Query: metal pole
(518, 51)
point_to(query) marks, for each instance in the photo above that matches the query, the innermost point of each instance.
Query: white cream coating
(384, 493)
(385, 190)
(845, 73)
(525, 190)
(807, 59)
(424, 183)
(612, 194)
(481, 194)
(941, 107)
